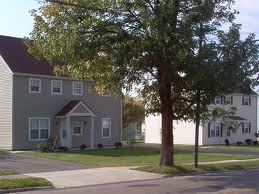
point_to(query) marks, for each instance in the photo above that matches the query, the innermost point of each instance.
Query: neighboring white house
(235, 128)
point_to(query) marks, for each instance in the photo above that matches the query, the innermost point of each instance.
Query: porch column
(92, 132)
(69, 138)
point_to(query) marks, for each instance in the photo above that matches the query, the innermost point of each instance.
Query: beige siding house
(35, 104)
(235, 128)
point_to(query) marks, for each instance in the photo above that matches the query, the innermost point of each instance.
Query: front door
(64, 133)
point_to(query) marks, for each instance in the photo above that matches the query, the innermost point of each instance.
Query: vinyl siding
(5, 106)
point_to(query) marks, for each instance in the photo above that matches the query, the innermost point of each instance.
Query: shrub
(42, 147)
(100, 146)
(118, 145)
(255, 142)
(63, 148)
(239, 143)
(82, 147)
(248, 141)
(226, 142)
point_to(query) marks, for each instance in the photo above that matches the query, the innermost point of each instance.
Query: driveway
(27, 164)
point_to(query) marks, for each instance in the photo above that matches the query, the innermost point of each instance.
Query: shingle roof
(66, 109)
(236, 118)
(14, 52)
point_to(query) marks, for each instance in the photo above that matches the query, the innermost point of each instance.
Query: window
(34, 85)
(106, 128)
(77, 88)
(215, 129)
(246, 101)
(39, 128)
(77, 127)
(246, 127)
(218, 100)
(228, 100)
(56, 87)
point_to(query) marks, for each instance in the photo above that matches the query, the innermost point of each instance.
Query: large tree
(125, 43)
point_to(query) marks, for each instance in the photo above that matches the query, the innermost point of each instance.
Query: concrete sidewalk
(228, 161)
(97, 176)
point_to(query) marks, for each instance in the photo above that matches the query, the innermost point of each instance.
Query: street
(244, 181)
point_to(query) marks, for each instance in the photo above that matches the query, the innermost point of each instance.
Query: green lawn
(234, 147)
(201, 168)
(22, 183)
(7, 172)
(131, 156)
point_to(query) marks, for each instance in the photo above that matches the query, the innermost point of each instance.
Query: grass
(131, 156)
(179, 169)
(7, 172)
(22, 183)
(235, 147)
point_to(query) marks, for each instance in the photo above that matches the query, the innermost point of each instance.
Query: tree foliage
(150, 43)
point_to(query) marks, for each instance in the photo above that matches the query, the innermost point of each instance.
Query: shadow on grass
(131, 151)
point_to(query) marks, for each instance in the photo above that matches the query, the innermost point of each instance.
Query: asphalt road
(245, 181)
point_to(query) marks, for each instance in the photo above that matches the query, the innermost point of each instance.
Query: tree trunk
(197, 124)
(167, 123)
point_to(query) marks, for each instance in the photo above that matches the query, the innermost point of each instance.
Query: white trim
(92, 133)
(109, 128)
(39, 118)
(5, 64)
(47, 76)
(81, 114)
(34, 92)
(82, 88)
(61, 86)
(70, 113)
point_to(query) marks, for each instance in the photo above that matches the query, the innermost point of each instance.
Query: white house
(235, 128)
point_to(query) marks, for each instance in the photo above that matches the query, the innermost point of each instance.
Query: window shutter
(223, 100)
(208, 130)
(231, 100)
(249, 101)
(221, 130)
(249, 128)
(243, 101)
(243, 128)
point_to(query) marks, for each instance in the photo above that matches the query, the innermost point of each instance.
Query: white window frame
(246, 127)
(246, 101)
(75, 94)
(34, 92)
(52, 87)
(213, 129)
(110, 120)
(217, 98)
(228, 100)
(81, 128)
(38, 118)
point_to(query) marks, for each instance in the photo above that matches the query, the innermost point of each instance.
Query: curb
(26, 189)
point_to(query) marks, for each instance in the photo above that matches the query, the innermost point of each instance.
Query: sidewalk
(97, 176)
(227, 161)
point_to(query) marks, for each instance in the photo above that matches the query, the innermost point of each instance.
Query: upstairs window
(56, 87)
(34, 85)
(246, 101)
(106, 128)
(77, 88)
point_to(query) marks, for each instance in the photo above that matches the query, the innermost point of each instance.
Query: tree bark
(167, 155)
(197, 125)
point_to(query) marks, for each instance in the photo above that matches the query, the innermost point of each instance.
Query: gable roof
(15, 54)
(73, 105)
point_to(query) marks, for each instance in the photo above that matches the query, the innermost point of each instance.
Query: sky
(15, 19)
